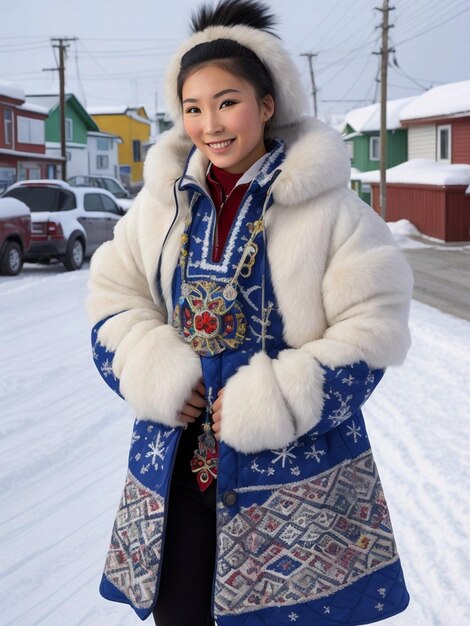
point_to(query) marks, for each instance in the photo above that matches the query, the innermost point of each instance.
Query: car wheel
(73, 259)
(11, 260)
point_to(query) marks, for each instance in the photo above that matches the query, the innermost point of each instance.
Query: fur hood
(291, 99)
(316, 162)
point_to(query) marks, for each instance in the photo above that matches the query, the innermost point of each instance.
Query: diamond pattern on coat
(136, 541)
(317, 537)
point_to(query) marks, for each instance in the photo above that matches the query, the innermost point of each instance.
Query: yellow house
(134, 126)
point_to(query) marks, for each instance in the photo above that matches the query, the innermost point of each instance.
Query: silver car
(68, 223)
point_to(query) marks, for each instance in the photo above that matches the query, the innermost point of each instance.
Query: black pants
(185, 592)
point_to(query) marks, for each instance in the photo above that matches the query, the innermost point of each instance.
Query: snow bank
(11, 90)
(421, 172)
(443, 100)
(367, 119)
(64, 440)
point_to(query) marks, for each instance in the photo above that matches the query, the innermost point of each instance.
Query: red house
(22, 139)
(429, 189)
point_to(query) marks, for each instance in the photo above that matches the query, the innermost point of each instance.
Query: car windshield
(114, 188)
(44, 198)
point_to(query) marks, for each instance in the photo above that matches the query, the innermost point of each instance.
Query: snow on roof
(34, 108)
(443, 100)
(130, 111)
(47, 101)
(367, 119)
(107, 110)
(421, 172)
(11, 90)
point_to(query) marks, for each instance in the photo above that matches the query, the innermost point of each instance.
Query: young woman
(246, 309)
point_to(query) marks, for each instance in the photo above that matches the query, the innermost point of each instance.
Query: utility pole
(310, 56)
(383, 106)
(62, 45)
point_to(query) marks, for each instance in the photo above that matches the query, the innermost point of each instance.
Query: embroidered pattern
(136, 541)
(308, 540)
(208, 320)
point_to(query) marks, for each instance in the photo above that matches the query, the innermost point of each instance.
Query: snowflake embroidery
(379, 606)
(145, 468)
(326, 610)
(138, 456)
(382, 591)
(343, 412)
(270, 471)
(135, 437)
(157, 450)
(348, 381)
(95, 353)
(313, 453)
(354, 431)
(285, 454)
(295, 471)
(107, 368)
(370, 378)
(149, 428)
(293, 617)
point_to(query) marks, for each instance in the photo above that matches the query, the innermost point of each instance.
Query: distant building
(134, 127)
(22, 139)
(438, 124)
(77, 126)
(103, 154)
(361, 132)
(429, 189)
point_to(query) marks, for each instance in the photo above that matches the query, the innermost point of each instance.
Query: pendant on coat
(204, 461)
(209, 317)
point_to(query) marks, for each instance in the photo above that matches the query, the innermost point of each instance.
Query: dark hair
(228, 53)
(231, 56)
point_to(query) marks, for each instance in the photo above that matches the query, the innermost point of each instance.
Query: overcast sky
(123, 46)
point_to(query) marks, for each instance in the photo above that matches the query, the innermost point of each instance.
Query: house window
(103, 144)
(136, 151)
(444, 143)
(350, 148)
(102, 162)
(30, 130)
(68, 129)
(374, 148)
(8, 126)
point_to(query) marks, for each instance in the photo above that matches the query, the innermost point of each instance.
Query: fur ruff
(291, 99)
(343, 291)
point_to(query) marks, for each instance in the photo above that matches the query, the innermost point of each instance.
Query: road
(442, 276)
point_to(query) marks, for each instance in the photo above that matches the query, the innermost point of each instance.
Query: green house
(361, 132)
(77, 124)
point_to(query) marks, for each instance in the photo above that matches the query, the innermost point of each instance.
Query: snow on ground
(64, 439)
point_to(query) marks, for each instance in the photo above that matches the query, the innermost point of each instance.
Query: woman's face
(224, 118)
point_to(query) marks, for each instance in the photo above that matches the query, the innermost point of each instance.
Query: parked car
(15, 235)
(109, 183)
(68, 223)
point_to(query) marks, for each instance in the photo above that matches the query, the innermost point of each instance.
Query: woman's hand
(194, 405)
(217, 414)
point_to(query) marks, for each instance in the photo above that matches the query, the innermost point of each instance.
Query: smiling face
(224, 118)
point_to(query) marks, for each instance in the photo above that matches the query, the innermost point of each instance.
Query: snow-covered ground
(63, 452)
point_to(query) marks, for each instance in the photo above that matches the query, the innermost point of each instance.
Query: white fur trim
(157, 371)
(291, 99)
(254, 414)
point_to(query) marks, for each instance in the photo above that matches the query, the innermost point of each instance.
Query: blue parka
(303, 529)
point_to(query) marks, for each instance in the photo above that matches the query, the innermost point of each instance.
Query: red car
(15, 235)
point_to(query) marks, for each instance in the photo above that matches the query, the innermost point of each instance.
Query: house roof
(421, 172)
(136, 113)
(367, 119)
(450, 99)
(51, 102)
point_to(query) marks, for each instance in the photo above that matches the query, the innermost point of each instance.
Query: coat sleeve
(138, 354)
(366, 292)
